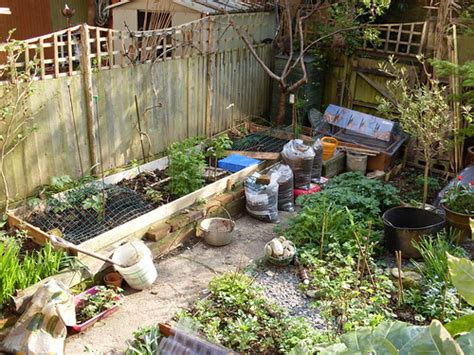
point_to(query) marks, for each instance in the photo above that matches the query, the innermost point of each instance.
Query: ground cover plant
(18, 271)
(93, 304)
(235, 314)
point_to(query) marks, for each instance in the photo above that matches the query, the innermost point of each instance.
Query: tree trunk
(281, 108)
(425, 179)
(91, 12)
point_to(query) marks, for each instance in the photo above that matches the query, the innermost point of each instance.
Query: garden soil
(182, 278)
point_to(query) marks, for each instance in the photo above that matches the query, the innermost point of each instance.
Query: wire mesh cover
(78, 221)
(259, 142)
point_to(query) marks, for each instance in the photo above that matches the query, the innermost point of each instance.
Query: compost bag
(42, 328)
(299, 157)
(283, 176)
(262, 200)
(317, 161)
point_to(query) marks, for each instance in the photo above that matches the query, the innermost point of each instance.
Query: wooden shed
(131, 14)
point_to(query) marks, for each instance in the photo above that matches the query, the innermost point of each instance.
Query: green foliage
(62, 183)
(461, 271)
(238, 316)
(153, 195)
(88, 197)
(397, 338)
(218, 146)
(460, 198)
(433, 251)
(436, 297)
(364, 197)
(461, 325)
(145, 341)
(346, 300)
(20, 271)
(186, 166)
(93, 304)
(421, 109)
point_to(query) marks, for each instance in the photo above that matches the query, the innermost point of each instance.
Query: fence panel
(172, 92)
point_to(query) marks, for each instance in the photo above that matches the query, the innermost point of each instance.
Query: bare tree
(291, 35)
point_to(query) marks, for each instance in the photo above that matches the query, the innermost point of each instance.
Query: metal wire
(78, 222)
(259, 142)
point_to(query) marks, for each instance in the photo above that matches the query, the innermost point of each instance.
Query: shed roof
(210, 7)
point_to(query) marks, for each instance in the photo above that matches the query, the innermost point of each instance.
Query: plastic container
(329, 147)
(403, 225)
(356, 162)
(236, 162)
(80, 298)
(142, 272)
(314, 188)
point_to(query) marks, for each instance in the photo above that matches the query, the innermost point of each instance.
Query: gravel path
(280, 285)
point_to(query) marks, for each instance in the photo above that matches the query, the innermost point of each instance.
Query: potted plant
(458, 202)
(95, 304)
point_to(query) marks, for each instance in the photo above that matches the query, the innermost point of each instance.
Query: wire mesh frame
(263, 141)
(73, 214)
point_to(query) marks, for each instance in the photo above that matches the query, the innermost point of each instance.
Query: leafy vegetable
(462, 276)
(93, 304)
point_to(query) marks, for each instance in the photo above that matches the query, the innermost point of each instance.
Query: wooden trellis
(407, 39)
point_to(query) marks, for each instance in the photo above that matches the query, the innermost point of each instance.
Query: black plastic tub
(403, 225)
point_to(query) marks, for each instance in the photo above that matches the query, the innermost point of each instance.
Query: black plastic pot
(403, 225)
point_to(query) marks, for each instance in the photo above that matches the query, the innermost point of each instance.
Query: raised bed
(135, 228)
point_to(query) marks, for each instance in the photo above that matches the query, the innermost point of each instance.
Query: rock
(277, 247)
(311, 293)
(282, 239)
(394, 272)
(268, 250)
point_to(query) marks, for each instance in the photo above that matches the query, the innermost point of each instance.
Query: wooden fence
(195, 79)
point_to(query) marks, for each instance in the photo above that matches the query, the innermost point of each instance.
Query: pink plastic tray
(79, 298)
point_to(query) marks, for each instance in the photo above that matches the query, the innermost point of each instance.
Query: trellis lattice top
(408, 39)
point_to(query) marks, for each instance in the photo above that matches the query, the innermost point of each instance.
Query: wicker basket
(281, 261)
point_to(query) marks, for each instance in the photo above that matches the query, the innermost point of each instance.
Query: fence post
(87, 74)
(211, 58)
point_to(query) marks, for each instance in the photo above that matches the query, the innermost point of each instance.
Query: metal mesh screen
(80, 214)
(259, 142)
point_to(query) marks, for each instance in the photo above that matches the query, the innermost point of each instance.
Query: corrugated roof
(210, 7)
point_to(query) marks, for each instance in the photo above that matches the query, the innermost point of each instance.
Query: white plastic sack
(261, 200)
(299, 157)
(42, 328)
(283, 175)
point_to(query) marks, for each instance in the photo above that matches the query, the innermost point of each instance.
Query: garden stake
(321, 242)
(75, 130)
(140, 129)
(96, 98)
(398, 256)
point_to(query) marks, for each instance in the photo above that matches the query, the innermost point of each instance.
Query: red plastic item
(314, 188)
(80, 298)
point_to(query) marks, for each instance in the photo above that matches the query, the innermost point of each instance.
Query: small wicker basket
(281, 261)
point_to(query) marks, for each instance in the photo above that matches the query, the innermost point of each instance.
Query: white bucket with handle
(140, 271)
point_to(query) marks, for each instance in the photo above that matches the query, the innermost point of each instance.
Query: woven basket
(281, 261)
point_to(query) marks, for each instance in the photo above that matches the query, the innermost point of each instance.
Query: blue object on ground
(236, 162)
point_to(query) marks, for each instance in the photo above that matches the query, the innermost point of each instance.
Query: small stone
(394, 272)
(270, 273)
(311, 293)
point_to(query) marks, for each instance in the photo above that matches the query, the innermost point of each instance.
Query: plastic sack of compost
(299, 157)
(317, 162)
(283, 175)
(262, 200)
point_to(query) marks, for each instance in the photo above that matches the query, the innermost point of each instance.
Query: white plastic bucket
(142, 272)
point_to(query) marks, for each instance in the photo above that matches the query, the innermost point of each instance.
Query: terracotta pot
(459, 222)
(113, 279)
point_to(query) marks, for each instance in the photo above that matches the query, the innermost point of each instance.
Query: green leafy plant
(238, 316)
(153, 195)
(422, 110)
(400, 338)
(95, 202)
(19, 271)
(217, 148)
(186, 166)
(460, 198)
(461, 271)
(366, 198)
(93, 304)
(145, 341)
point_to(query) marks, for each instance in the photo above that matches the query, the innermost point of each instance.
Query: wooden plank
(56, 56)
(98, 49)
(255, 155)
(42, 66)
(110, 47)
(69, 52)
